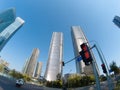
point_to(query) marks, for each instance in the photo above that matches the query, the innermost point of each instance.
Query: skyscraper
(32, 62)
(9, 25)
(6, 18)
(116, 21)
(78, 38)
(54, 63)
(38, 69)
(24, 70)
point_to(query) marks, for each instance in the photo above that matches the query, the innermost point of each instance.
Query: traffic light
(63, 64)
(104, 68)
(85, 54)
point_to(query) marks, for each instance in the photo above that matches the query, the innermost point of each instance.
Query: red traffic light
(104, 68)
(85, 53)
(85, 49)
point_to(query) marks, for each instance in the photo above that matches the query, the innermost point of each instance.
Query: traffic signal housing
(104, 68)
(85, 54)
(63, 64)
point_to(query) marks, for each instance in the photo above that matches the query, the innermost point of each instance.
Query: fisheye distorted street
(59, 45)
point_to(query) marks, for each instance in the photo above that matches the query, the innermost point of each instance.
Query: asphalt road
(7, 84)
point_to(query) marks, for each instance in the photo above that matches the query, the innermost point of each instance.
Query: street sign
(79, 58)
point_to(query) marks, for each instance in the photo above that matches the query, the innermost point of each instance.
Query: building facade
(55, 57)
(30, 69)
(9, 25)
(24, 69)
(38, 69)
(6, 18)
(3, 62)
(78, 38)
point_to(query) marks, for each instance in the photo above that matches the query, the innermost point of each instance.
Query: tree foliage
(114, 68)
(74, 81)
(1, 67)
(80, 81)
(54, 84)
(19, 75)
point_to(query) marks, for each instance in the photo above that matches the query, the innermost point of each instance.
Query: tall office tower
(32, 62)
(25, 66)
(38, 69)
(116, 21)
(9, 25)
(78, 38)
(54, 63)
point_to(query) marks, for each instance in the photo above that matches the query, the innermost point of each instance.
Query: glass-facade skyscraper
(6, 18)
(9, 25)
(31, 64)
(54, 63)
(8, 32)
(78, 38)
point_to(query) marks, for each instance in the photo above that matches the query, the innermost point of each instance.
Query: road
(7, 84)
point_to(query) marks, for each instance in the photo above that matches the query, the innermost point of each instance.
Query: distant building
(38, 69)
(3, 62)
(31, 63)
(116, 21)
(24, 70)
(78, 38)
(9, 25)
(54, 63)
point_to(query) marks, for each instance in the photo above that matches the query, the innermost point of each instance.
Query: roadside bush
(54, 84)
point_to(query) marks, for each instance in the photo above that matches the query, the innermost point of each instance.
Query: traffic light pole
(72, 59)
(96, 75)
(95, 72)
(102, 60)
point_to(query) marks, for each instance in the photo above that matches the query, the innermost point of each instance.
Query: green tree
(19, 75)
(114, 68)
(54, 84)
(1, 67)
(26, 77)
(79, 81)
(13, 73)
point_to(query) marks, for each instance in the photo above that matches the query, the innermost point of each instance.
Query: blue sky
(42, 17)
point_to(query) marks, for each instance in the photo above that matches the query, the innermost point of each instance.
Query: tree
(26, 77)
(54, 84)
(1, 67)
(80, 81)
(114, 68)
(18, 75)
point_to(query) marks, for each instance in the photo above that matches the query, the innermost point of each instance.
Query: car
(19, 82)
